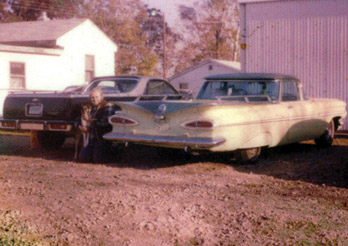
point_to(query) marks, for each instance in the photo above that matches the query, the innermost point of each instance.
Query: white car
(233, 112)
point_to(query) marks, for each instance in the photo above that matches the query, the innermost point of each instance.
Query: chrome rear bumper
(166, 141)
(41, 125)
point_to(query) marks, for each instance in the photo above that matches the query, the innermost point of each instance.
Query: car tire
(50, 140)
(326, 139)
(248, 155)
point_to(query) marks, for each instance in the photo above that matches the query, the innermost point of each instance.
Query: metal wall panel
(305, 38)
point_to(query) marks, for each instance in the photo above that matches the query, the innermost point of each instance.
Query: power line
(38, 4)
(32, 5)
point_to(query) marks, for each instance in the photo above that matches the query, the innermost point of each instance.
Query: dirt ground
(295, 195)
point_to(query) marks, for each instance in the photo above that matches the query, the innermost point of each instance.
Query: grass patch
(309, 233)
(15, 233)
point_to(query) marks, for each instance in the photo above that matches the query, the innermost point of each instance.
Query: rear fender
(260, 140)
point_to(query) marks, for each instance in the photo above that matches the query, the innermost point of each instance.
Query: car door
(303, 122)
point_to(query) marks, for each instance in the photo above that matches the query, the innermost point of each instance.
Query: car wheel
(326, 139)
(50, 140)
(248, 155)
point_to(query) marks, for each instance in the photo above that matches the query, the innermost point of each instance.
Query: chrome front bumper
(166, 141)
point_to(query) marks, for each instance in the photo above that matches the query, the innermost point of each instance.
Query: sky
(169, 8)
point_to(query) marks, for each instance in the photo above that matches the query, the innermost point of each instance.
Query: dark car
(55, 115)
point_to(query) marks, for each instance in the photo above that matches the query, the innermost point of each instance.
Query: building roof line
(31, 50)
(235, 66)
(34, 31)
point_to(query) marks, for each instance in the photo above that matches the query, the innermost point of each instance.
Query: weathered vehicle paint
(233, 112)
(59, 111)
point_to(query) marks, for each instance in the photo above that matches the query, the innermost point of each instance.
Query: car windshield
(159, 87)
(119, 85)
(240, 90)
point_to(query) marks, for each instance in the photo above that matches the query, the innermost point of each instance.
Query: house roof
(36, 33)
(229, 64)
(232, 64)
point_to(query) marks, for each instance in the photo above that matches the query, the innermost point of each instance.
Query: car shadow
(19, 145)
(146, 157)
(134, 156)
(303, 162)
(298, 162)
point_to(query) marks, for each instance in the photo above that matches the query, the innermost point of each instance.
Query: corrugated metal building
(305, 38)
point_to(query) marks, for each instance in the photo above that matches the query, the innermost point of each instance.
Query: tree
(30, 10)
(212, 31)
(6, 14)
(121, 21)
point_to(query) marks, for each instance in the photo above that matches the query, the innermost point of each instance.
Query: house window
(89, 72)
(183, 86)
(210, 67)
(17, 75)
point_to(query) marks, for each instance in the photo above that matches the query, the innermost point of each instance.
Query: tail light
(199, 124)
(122, 120)
(8, 124)
(58, 127)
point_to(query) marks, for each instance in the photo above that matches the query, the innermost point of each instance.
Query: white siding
(66, 66)
(41, 71)
(307, 38)
(87, 39)
(55, 69)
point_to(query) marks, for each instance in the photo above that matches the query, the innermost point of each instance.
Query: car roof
(247, 76)
(128, 77)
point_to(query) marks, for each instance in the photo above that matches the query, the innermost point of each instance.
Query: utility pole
(164, 48)
(154, 13)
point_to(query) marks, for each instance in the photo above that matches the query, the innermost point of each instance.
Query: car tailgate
(53, 106)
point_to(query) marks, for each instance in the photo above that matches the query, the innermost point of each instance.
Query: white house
(305, 38)
(193, 78)
(53, 54)
(50, 55)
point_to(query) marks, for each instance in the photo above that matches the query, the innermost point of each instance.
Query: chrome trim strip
(38, 122)
(195, 143)
(283, 119)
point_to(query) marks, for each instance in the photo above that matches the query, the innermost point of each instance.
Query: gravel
(295, 195)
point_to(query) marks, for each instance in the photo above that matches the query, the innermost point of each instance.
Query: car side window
(107, 87)
(290, 91)
(159, 87)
